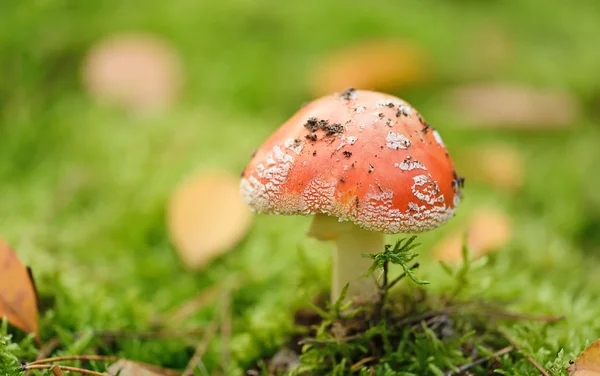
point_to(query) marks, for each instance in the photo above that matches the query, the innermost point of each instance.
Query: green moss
(83, 186)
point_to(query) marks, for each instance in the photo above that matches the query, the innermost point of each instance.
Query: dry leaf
(512, 106)
(207, 217)
(375, 64)
(588, 363)
(283, 361)
(18, 298)
(131, 368)
(488, 230)
(139, 72)
(502, 166)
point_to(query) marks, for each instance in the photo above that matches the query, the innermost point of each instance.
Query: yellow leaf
(513, 106)
(588, 363)
(500, 165)
(488, 230)
(140, 72)
(382, 65)
(207, 217)
(18, 299)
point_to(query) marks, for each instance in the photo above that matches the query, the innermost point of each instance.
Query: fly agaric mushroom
(364, 164)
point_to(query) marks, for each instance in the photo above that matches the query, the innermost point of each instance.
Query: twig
(196, 360)
(46, 350)
(62, 368)
(523, 316)
(148, 335)
(74, 357)
(484, 311)
(180, 313)
(362, 362)
(53, 343)
(528, 357)
(425, 316)
(225, 329)
(477, 362)
(307, 341)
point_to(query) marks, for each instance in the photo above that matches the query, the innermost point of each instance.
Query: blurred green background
(84, 182)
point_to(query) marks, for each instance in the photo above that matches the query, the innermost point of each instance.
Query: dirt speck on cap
(349, 94)
(312, 124)
(347, 153)
(458, 183)
(425, 128)
(331, 129)
(311, 136)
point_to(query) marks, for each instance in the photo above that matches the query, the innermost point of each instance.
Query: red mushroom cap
(361, 156)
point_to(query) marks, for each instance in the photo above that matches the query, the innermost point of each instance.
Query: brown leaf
(512, 106)
(488, 230)
(131, 368)
(502, 166)
(18, 299)
(588, 363)
(374, 64)
(207, 217)
(139, 72)
(283, 361)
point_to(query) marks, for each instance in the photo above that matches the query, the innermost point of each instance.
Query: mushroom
(364, 164)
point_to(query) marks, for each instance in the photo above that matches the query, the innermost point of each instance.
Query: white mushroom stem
(348, 263)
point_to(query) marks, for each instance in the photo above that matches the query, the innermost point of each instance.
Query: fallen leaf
(488, 229)
(588, 362)
(18, 299)
(373, 64)
(283, 361)
(125, 367)
(139, 72)
(512, 106)
(500, 165)
(207, 217)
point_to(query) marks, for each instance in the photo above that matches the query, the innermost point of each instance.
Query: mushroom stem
(348, 263)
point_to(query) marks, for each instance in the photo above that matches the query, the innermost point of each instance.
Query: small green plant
(400, 254)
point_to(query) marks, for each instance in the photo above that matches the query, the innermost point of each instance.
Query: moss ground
(83, 185)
